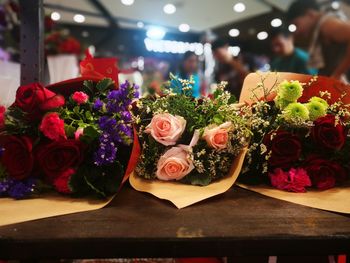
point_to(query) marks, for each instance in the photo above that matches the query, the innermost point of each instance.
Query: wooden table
(237, 223)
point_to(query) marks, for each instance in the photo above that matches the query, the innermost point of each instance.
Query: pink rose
(175, 163)
(217, 136)
(295, 180)
(166, 128)
(53, 127)
(79, 132)
(80, 97)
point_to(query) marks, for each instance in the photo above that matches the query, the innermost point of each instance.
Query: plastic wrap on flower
(189, 141)
(299, 144)
(77, 144)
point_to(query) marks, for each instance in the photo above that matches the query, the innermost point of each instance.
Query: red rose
(57, 157)
(69, 46)
(34, 99)
(53, 127)
(285, 148)
(324, 174)
(328, 135)
(17, 157)
(61, 183)
(2, 117)
(80, 97)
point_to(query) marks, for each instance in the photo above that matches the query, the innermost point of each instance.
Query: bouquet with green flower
(192, 141)
(77, 144)
(297, 142)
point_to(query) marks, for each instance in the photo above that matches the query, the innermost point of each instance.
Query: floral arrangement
(297, 144)
(193, 141)
(58, 42)
(79, 144)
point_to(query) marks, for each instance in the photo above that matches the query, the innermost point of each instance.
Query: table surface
(135, 224)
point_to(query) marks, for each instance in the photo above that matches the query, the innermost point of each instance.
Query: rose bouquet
(58, 42)
(297, 142)
(77, 144)
(192, 141)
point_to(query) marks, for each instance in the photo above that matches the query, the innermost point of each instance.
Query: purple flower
(126, 116)
(17, 189)
(98, 104)
(107, 151)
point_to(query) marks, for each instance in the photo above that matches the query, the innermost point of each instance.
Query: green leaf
(217, 93)
(88, 116)
(232, 99)
(218, 119)
(90, 134)
(104, 84)
(76, 110)
(91, 131)
(91, 185)
(88, 87)
(197, 179)
(69, 130)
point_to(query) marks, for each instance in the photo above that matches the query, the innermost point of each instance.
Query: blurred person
(188, 68)
(229, 68)
(329, 37)
(288, 57)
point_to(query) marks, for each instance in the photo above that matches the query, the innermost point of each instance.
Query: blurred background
(151, 38)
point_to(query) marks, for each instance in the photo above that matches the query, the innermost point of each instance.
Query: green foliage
(102, 181)
(104, 85)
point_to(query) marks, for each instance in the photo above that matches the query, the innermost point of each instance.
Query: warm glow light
(155, 33)
(234, 32)
(55, 16)
(184, 27)
(239, 7)
(79, 18)
(276, 22)
(262, 35)
(169, 9)
(292, 28)
(127, 2)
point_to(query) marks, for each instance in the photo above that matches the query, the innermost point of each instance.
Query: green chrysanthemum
(281, 103)
(316, 109)
(320, 100)
(296, 112)
(290, 90)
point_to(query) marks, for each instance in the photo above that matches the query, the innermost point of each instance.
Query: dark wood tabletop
(135, 224)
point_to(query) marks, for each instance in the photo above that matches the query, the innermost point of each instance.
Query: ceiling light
(184, 27)
(127, 2)
(169, 9)
(276, 22)
(55, 16)
(234, 32)
(335, 5)
(79, 18)
(155, 33)
(140, 24)
(239, 7)
(292, 28)
(262, 35)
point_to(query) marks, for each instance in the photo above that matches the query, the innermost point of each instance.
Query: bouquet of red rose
(79, 144)
(296, 145)
(58, 42)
